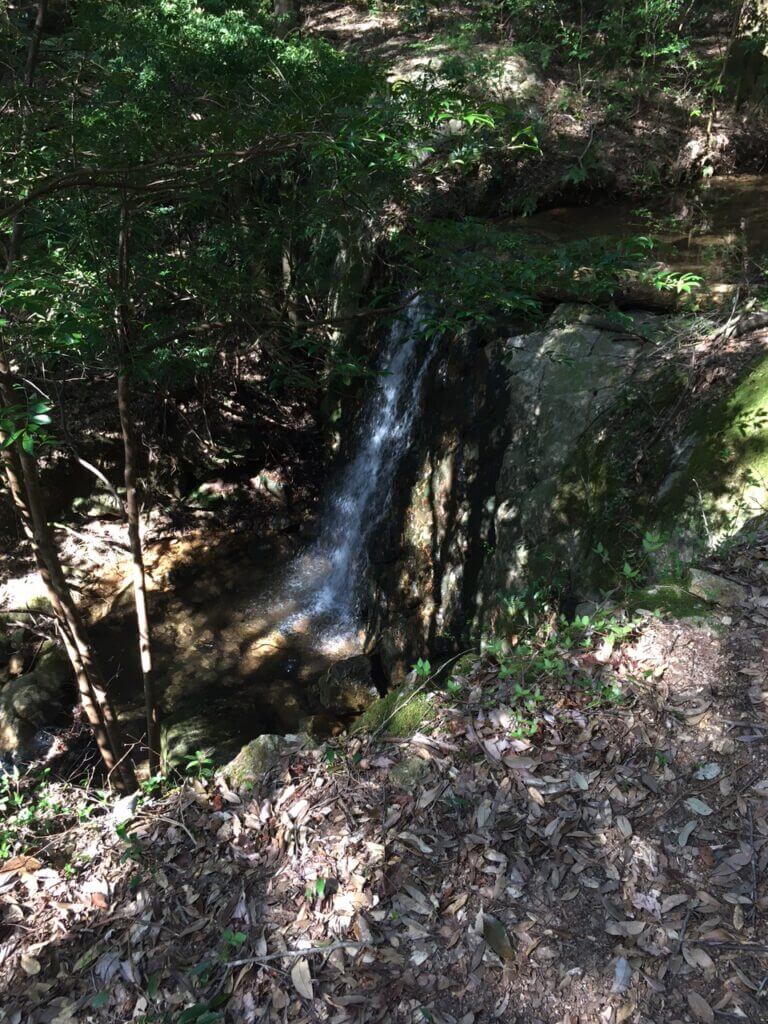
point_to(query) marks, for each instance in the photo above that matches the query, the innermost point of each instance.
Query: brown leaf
(301, 978)
(98, 899)
(700, 1008)
(625, 928)
(23, 864)
(697, 957)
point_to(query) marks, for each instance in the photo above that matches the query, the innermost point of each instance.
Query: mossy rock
(716, 589)
(725, 475)
(671, 598)
(409, 713)
(261, 756)
(255, 760)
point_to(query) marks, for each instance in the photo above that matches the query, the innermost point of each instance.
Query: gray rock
(125, 808)
(347, 688)
(33, 700)
(249, 769)
(716, 589)
(408, 773)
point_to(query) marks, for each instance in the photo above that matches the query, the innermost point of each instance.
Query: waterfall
(326, 579)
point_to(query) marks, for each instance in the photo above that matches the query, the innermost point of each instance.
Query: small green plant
(316, 891)
(422, 669)
(675, 281)
(153, 786)
(35, 806)
(200, 765)
(231, 941)
(25, 422)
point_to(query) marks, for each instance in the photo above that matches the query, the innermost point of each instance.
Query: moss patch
(729, 459)
(406, 720)
(671, 598)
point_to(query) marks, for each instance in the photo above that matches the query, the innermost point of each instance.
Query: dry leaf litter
(611, 868)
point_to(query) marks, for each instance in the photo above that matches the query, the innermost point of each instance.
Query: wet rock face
(501, 423)
(540, 449)
(428, 556)
(347, 688)
(561, 383)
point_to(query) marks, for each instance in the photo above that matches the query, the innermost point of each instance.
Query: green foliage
(486, 272)
(25, 422)
(546, 656)
(653, 36)
(676, 281)
(247, 167)
(34, 807)
(200, 765)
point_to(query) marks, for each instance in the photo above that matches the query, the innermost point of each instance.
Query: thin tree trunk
(139, 576)
(127, 424)
(21, 474)
(34, 44)
(287, 14)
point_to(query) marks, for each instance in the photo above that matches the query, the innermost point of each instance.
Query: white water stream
(325, 582)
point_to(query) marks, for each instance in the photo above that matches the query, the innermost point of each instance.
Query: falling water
(326, 579)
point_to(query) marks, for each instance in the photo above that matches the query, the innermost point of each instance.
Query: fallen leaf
(708, 771)
(625, 928)
(27, 865)
(30, 965)
(302, 979)
(697, 957)
(685, 832)
(622, 975)
(675, 900)
(497, 937)
(624, 826)
(700, 1008)
(697, 806)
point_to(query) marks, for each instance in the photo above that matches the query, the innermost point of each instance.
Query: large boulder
(36, 699)
(557, 457)
(347, 688)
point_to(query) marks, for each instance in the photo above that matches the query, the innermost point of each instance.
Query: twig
(314, 951)
(753, 909)
(179, 824)
(684, 929)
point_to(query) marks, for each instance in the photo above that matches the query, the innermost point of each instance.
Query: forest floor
(610, 868)
(601, 130)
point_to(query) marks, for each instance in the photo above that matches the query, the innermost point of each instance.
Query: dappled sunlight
(600, 866)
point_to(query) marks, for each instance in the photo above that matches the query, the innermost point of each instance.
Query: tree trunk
(128, 427)
(34, 44)
(21, 474)
(287, 15)
(139, 576)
